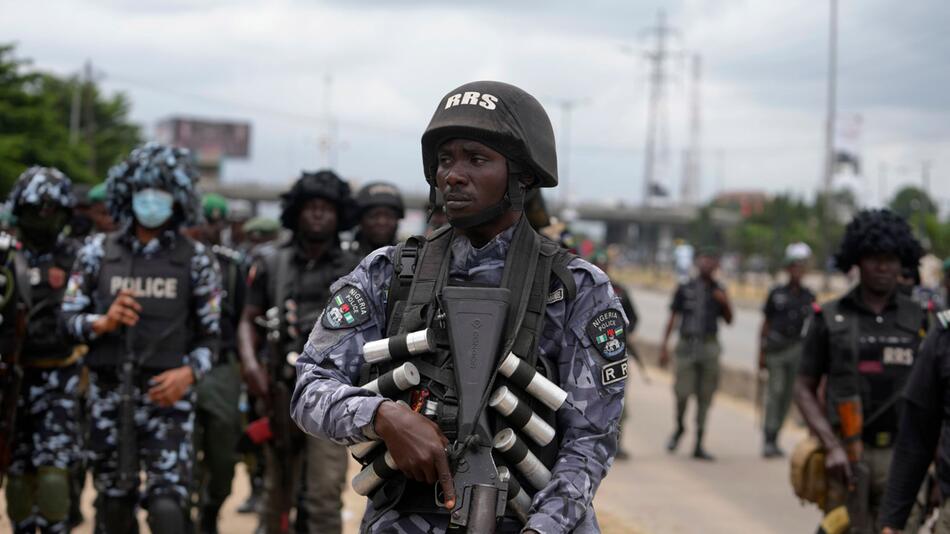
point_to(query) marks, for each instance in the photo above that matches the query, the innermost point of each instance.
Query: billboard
(210, 140)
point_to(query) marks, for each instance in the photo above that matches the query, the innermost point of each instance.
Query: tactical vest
(846, 383)
(44, 340)
(420, 272)
(300, 291)
(161, 283)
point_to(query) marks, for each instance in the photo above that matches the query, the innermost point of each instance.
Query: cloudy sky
(763, 91)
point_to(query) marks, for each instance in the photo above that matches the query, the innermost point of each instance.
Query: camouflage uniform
(326, 403)
(167, 449)
(47, 434)
(159, 342)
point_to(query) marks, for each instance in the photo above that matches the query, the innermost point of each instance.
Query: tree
(910, 202)
(34, 125)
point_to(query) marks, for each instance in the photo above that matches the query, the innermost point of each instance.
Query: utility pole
(656, 110)
(75, 109)
(829, 169)
(567, 106)
(328, 144)
(689, 193)
(89, 99)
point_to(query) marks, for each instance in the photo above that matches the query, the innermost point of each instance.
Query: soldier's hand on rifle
(124, 311)
(417, 445)
(170, 386)
(255, 376)
(889, 530)
(664, 357)
(837, 465)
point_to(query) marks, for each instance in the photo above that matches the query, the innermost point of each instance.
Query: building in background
(211, 141)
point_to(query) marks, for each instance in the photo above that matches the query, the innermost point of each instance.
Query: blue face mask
(152, 207)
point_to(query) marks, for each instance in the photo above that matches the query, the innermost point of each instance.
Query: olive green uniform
(218, 426)
(786, 309)
(697, 350)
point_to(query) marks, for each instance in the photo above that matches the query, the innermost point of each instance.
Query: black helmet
(323, 184)
(380, 194)
(508, 120)
(499, 115)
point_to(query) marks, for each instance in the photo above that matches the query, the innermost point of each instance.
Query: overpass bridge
(650, 230)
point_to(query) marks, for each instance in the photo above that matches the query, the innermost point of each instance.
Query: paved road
(662, 493)
(739, 340)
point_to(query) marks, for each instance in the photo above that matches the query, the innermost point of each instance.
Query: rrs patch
(606, 332)
(347, 308)
(613, 372)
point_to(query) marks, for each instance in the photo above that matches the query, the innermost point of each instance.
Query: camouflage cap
(42, 185)
(153, 165)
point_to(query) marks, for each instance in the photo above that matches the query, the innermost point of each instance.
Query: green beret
(97, 194)
(214, 206)
(709, 250)
(261, 225)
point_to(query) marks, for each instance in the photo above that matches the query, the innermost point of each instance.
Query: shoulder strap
(404, 268)
(431, 271)
(21, 272)
(280, 261)
(559, 267)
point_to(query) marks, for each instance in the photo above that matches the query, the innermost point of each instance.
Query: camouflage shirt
(206, 295)
(327, 404)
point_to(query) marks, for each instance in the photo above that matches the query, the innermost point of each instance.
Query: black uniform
(299, 288)
(886, 346)
(923, 429)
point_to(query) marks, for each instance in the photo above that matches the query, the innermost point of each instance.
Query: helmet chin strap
(513, 200)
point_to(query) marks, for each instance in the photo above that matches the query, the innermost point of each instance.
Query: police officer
(923, 430)
(295, 281)
(147, 301)
(780, 347)
(47, 442)
(698, 305)
(381, 208)
(864, 345)
(218, 394)
(486, 144)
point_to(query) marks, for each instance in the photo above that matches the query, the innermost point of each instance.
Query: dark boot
(770, 449)
(165, 514)
(674, 440)
(699, 453)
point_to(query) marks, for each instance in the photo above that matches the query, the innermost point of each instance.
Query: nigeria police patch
(606, 332)
(347, 308)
